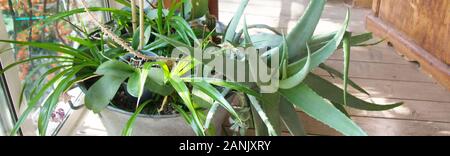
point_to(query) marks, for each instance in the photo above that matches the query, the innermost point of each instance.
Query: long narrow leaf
(231, 29)
(260, 111)
(333, 93)
(128, 129)
(217, 96)
(338, 74)
(347, 46)
(322, 54)
(291, 119)
(320, 109)
(305, 28)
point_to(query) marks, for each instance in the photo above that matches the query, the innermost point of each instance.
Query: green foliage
(110, 66)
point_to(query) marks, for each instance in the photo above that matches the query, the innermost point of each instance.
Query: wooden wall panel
(360, 3)
(427, 22)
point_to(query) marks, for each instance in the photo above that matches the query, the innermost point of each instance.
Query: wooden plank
(287, 18)
(376, 54)
(377, 127)
(439, 70)
(257, 3)
(377, 71)
(388, 127)
(400, 90)
(410, 110)
(422, 110)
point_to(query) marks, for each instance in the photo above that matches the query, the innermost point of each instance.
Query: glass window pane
(6, 118)
(23, 20)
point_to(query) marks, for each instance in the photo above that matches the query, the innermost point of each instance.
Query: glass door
(7, 115)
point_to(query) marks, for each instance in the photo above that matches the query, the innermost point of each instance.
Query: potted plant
(139, 67)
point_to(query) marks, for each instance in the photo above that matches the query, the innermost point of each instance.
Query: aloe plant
(123, 52)
(299, 88)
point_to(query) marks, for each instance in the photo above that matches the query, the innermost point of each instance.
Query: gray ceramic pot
(153, 125)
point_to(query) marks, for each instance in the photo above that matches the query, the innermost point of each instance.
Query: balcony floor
(379, 69)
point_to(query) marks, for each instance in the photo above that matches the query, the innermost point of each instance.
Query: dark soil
(126, 102)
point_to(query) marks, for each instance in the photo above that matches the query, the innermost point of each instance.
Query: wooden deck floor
(379, 69)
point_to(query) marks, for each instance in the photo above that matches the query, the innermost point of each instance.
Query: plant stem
(163, 104)
(133, 15)
(125, 45)
(141, 25)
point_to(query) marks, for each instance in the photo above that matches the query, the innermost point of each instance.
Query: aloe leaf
(264, 40)
(216, 95)
(338, 74)
(320, 109)
(321, 40)
(214, 107)
(333, 93)
(259, 26)
(258, 123)
(262, 115)
(298, 77)
(247, 39)
(347, 46)
(226, 84)
(322, 54)
(128, 129)
(291, 119)
(210, 115)
(305, 28)
(341, 108)
(270, 104)
(231, 29)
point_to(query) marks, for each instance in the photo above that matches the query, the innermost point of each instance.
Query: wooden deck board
(375, 54)
(379, 69)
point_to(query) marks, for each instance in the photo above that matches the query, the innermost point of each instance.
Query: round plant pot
(115, 119)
